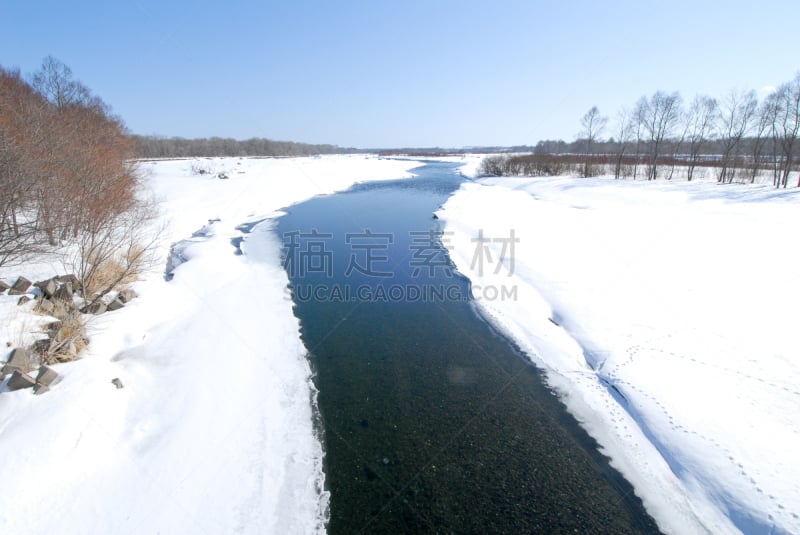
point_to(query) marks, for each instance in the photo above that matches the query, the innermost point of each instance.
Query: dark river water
(431, 421)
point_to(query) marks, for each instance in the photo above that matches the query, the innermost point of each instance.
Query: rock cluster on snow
(20, 365)
(60, 297)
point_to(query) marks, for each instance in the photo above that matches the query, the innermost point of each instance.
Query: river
(431, 420)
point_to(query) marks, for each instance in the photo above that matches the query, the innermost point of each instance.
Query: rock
(46, 375)
(4, 286)
(116, 304)
(222, 175)
(19, 287)
(117, 382)
(20, 380)
(435, 216)
(47, 287)
(126, 295)
(72, 280)
(20, 360)
(61, 309)
(40, 388)
(23, 299)
(95, 308)
(45, 306)
(64, 292)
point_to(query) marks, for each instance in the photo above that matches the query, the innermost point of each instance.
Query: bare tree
(67, 178)
(736, 112)
(114, 251)
(55, 82)
(21, 110)
(593, 125)
(624, 130)
(762, 124)
(785, 129)
(699, 123)
(18, 233)
(637, 124)
(771, 109)
(661, 114)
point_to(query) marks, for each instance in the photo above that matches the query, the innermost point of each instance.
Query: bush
(529, 165)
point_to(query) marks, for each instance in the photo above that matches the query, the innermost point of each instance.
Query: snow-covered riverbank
(212, 432)
(664, 315)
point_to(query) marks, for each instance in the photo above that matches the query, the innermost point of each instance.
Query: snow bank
(664, 315)
(212, 432)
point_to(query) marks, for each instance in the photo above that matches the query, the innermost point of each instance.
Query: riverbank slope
(663, 314)
(212, 432)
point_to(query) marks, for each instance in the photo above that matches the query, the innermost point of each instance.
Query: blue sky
(387, 74)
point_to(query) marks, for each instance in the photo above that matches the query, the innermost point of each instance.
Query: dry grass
(117, 272)
(68, 342)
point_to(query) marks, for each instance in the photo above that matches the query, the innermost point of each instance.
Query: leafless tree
(736, 112)
(786, 128)
(113, 251)
(699, 122)
(637, 123)
(20, 112)
(593, 125)
(55, 82)
(624, 129)
(661, 114)
(68, 179)
(762, 124)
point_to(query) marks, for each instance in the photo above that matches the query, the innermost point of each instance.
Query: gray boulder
(47, 287)
(20, 380)
(116, 304)
(4, 286)
(20, 360)
(95, 308)
(127, 295)
(46, 375)
(73, 280)
(64, 292)
(19, 287)
(23, 299)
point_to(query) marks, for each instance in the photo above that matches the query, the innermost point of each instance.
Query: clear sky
(398, 73)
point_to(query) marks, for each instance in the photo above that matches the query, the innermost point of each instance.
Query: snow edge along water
(679, 504)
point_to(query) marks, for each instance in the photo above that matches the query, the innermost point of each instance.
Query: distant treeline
(178, 147)
(539, 163)
(709, 148)
(661, 135)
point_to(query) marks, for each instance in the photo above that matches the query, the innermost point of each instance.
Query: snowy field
(664, 315)
(212, 432)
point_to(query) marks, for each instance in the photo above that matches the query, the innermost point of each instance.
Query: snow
(213, 431)
(663, 313)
